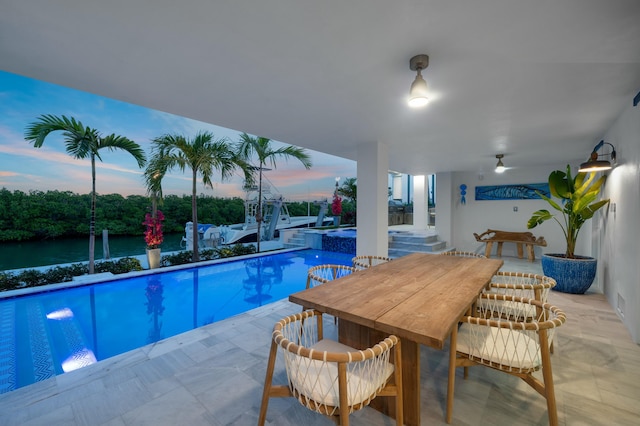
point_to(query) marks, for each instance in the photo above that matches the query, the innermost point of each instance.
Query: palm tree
(203, 155)
(349, 189)
(261, 148)
(83, 142)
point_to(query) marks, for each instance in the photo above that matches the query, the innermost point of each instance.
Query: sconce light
(500, 166)
(595, 165)
(418, 94)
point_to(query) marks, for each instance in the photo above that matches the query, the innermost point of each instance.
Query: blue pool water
(49, 333)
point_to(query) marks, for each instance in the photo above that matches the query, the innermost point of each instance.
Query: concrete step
(416, 247)
(413, 239)
(297, 240)
(395, 253)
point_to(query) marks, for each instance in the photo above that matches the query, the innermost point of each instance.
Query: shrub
(120, 266)
(179, 258)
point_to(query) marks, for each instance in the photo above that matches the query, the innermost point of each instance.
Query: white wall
(478, 216)
(619, 243)
(613, 236)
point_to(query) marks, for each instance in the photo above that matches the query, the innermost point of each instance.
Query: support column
(444, 206)
(373, 206)
(420, 202)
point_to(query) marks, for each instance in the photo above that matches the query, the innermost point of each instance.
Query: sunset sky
(25, 168)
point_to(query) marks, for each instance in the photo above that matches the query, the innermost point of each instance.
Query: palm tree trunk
(259, 214)
(194, 218)
(92, 222)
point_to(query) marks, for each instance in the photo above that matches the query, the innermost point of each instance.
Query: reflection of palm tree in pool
(154, 295)
(262, 273)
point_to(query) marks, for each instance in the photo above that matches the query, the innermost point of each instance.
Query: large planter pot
(571, 275)
(153, 257)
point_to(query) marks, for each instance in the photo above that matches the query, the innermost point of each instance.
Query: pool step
(296, 240)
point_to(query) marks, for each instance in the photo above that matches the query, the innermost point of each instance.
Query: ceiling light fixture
(595, 165)
(500, 166)
(418, 94)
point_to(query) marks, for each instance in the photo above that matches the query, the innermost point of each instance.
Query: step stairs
(401, 243)
(296, 240)
(404, 243)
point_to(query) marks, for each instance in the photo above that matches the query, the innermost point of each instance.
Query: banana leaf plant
(579, 202)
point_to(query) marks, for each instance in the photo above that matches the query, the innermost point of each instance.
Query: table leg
(520, 252)
(361, 337)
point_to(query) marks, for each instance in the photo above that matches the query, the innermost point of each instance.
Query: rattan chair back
(324, 273)
(519, 284)
(462, 254)
(367, 261)
(328, 377)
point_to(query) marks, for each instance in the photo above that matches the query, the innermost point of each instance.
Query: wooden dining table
(418, 297)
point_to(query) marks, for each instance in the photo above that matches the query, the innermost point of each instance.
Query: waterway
(52, 252)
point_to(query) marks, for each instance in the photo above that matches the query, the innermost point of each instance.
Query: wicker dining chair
(367, 261)
(328, 377)
(518, 284)
(321, 274)
(518, 347)
(462, 254)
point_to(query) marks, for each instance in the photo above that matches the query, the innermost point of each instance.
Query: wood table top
(420, 296)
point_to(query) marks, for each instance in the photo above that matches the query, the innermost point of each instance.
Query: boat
(276, 218)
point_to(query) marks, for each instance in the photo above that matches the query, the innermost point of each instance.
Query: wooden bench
(520, 239)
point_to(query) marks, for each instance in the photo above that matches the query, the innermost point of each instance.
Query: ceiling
(540, 81)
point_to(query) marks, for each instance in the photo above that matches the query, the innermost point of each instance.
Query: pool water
(50, 333)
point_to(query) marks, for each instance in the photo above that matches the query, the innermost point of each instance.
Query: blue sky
(25, 168)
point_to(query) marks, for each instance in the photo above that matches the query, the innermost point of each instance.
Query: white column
(420, 201)
(444, 206)
(373, 207)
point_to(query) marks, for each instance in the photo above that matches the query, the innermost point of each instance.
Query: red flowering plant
(153, 234)
(336, 205)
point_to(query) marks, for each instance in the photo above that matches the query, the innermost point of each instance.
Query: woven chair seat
(499, 347)
(318, 380)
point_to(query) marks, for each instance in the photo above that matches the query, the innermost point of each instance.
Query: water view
(29, 254)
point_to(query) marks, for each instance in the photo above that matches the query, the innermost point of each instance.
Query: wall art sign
(524, 191)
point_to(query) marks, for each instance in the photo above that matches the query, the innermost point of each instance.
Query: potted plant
(573, 273)
(153, 237)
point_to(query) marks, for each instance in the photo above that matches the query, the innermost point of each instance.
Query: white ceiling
(540, 81)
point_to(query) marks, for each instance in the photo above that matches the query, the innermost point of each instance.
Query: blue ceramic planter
(571, 275)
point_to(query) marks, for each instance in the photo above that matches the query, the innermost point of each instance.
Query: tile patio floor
(214, 376)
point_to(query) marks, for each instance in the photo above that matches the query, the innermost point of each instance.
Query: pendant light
(418, 94)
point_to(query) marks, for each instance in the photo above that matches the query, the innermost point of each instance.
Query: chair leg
(342, 392)
(547, 376)
(452, 373)
(397, 354)
(268, 381)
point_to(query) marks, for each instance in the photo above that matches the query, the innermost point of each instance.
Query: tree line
(38, 215)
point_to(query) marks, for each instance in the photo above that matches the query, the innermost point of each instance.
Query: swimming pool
(53, 332)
